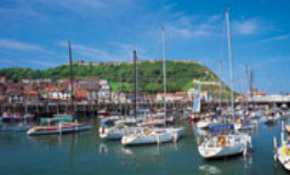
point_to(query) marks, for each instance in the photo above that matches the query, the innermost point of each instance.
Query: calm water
(85, 153)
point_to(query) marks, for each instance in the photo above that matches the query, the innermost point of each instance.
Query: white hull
(176, 133)
(202, 124)
(57, 130)
(115, 133)
(152, 136)
(233, 145)
(217, 152)
(284, 158)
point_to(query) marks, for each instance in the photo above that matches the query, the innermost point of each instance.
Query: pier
(92, 108)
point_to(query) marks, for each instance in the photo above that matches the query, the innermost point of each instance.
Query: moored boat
(61, 128)
(224, 145)
(59, 124)
(282, 152)
(147, 136)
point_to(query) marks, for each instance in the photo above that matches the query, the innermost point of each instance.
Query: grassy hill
(120, 75)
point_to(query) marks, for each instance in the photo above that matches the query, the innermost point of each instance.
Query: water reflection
(209, 169)
(103, 149)
(83, 152)
(48, 140)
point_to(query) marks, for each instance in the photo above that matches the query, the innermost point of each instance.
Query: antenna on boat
(135, 82)
(230, 58)
(71, 76)
(164, 71)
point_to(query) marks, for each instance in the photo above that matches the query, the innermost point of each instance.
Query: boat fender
(222, 140)
(103, 130)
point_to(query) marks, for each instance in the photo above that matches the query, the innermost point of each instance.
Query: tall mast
(220, 84)
(230, 58)
(248, 84)
(164, 70)
(71, 77)
(135, 82)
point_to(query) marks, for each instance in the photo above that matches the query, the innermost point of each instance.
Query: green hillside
(120, 75)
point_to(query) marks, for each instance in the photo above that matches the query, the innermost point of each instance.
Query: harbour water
(85, 153)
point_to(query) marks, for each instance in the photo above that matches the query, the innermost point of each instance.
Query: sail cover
(196, 101)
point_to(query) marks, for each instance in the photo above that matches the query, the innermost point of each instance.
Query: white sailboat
(155, 135)
(115, 130)
(145, 136)
(224, 145)
(176, 132)
(282, 153)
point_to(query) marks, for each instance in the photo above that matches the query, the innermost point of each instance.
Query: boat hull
(135, 140)
(284, 159)
(225, 146)
(58, 130)
(220, 152)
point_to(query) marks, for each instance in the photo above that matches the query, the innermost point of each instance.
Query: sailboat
(155, 135)
(144, 136)
(176, 132)
(61, 124)
(60, 128)
(116, 130)
(282, 153)
(224, 145)
(232, 143)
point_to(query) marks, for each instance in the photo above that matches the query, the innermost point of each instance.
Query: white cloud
(89, 52)
(188, 27)
(20, 46)
(89, 6)
(277, 38)
(246, 27)
(43, 62)
(122, 51)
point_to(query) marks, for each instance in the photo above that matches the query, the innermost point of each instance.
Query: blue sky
(34, 33)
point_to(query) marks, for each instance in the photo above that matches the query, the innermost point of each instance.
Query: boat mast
(135, 82)
(248, 85)
(164, 71)
(71, 77)
(220, 85)
(230, 58)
